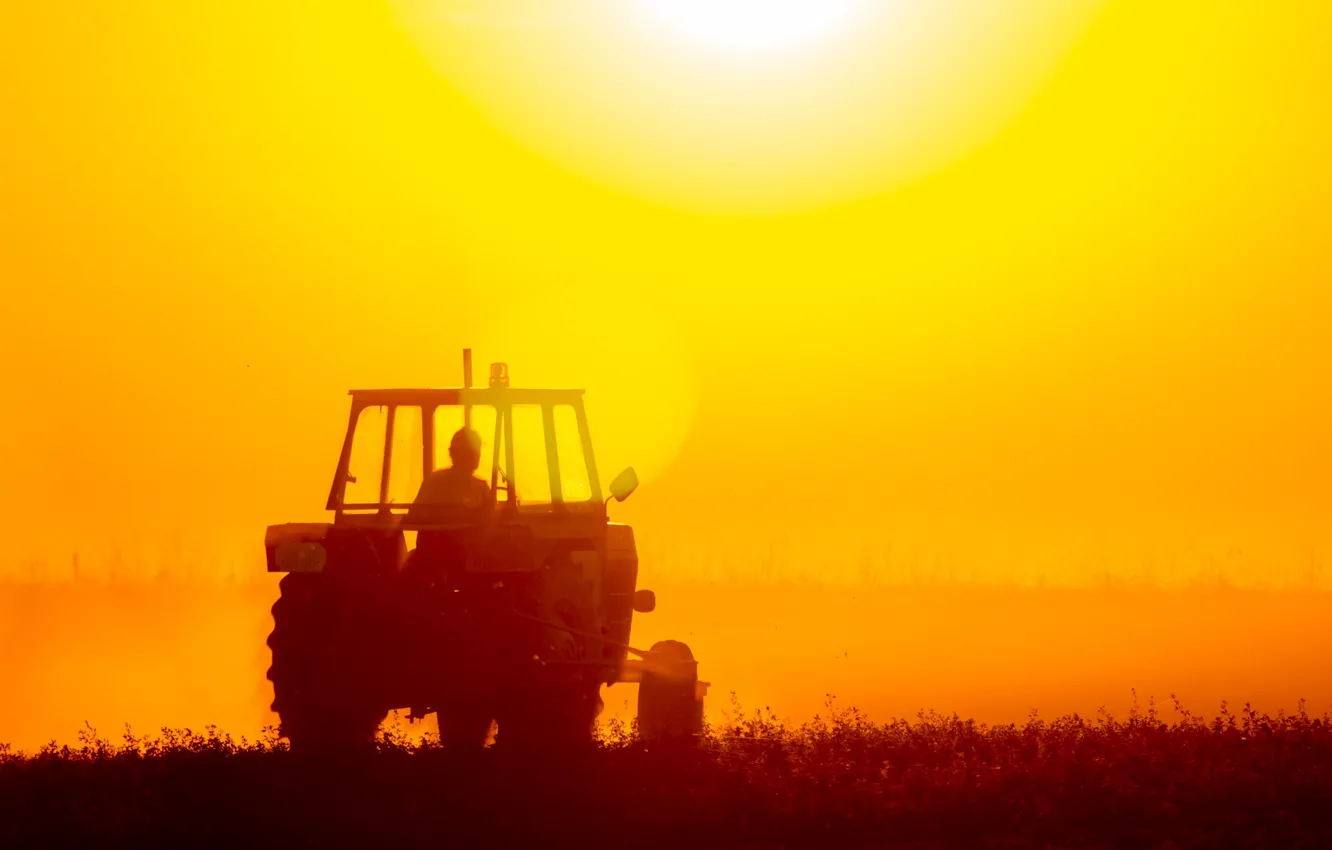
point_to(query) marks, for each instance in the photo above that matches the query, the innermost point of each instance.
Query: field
(1241, 780)
(1110, 759)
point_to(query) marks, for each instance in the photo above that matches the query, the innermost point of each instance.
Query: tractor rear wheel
(552, 718)
(669, 707)
(315, 689)
(560, 707)
(463, 728)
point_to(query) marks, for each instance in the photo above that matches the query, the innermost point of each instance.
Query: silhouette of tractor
(516, 611)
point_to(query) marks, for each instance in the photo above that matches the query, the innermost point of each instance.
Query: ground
(1241, 779)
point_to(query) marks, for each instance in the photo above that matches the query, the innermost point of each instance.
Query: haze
(1089, 345)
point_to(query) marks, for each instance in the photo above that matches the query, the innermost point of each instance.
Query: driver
(446, 496)
(456, 486)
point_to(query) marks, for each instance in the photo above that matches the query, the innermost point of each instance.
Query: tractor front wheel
(319, 704)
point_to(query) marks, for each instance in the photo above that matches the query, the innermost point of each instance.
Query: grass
(1239, 779)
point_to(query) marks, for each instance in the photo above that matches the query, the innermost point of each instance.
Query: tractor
(507, 615)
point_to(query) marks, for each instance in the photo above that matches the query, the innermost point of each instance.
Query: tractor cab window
(540, 446)
(366, 468)
(450, 418)
(405, 464)
(532, 480)
(575, 485)
(530, 471)
(548, 458)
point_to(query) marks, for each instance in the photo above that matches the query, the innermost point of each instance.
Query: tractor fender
(309, 547)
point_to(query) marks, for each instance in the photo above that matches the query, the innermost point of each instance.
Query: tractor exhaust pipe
(467, 385)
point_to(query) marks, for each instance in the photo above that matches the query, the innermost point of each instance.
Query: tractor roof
(479, 395)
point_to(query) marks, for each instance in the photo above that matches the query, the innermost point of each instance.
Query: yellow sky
(1094, 337)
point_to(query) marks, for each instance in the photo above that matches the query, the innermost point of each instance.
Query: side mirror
(624, 485)
(645, 601)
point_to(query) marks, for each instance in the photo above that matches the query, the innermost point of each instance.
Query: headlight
(294, 557)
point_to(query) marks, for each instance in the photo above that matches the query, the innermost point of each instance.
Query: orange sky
(1094, 340)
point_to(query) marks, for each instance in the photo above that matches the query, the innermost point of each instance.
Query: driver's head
(465, 449)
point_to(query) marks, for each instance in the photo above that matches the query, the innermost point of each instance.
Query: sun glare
(752, 25)
(750, 105)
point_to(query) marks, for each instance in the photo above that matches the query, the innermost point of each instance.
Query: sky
(1007, 292)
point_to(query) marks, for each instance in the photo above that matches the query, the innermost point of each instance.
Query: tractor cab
(536, 451)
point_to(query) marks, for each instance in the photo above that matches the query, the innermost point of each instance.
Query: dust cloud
(191, 653)
(145, 653)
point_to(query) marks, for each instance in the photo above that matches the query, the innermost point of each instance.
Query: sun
(750, 106)
(752, 25)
